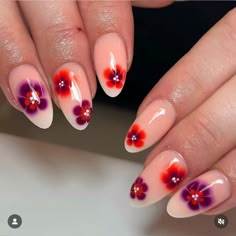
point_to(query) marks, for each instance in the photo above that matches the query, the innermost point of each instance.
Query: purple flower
(197, 195)
(31, 97)
(83, 112)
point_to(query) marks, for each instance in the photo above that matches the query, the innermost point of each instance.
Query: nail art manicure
(111, 63)
(31, 93)
(200, 195)
(73, 94)
(150, 126)
(158, 179)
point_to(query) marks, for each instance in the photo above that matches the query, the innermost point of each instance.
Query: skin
(70, 30)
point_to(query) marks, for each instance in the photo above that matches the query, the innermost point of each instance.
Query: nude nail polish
(110, 60)
(150, 126)
(162, 176)
(200, 195)
(30, 91)
(73, 94)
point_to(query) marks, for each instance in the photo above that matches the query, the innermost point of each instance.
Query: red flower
(173, 176)
(138, 189)
(62, 83)
(83, 112)
(135, 136)
(115, 77)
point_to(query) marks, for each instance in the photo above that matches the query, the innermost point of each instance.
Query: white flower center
(134, 138)
(175, 180)
(195, 197)
(34, 98)
(87, 112)
(136, 189)
(116, 78)
(61, 84)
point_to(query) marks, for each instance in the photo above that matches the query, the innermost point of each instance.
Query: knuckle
(6, 34)
(62, 32)
(208, 133)
(230, 23)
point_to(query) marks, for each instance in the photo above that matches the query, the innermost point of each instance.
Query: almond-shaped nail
(150, 126)
(162, 176)
(200, 195)
(110, 59)
(30, 91)
(73, 94)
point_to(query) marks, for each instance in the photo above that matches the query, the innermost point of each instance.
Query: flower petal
(110, 84)
(80, 120)
(43, 104)
(119, 85)
(141, 196)
(139, 180)
(135, 128)
(107, 73)
(145, 187)
(193, 185)
(77, 110)
(194, 207)
(31, 111)
(138, 143)
(132, 194)
(21, 101)
(24, 89)
(206, 201)
(185, 193)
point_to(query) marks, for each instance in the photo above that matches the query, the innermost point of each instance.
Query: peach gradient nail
(150, 126)
(200, 195)
(30, 91)
(158, 179)
(110, 60)
(73, 94)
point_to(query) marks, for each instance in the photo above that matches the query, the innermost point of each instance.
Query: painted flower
(138, 189)
(197, 195)
(173, 176)
(62, 82)
(31, 97)
(115, 77)
(135, 136)
(83, 112)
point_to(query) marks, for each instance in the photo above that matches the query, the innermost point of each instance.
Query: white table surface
(62, 191)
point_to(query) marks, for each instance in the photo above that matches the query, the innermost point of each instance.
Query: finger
(193, 145)
(227, 165)
(152, 4)
(20, 70)
(65, 56)
(210, 63)
(109, 26)
(199, 195)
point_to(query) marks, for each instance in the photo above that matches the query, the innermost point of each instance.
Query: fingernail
(30, 91)
(200, 195)
(150, 126)
(73, 94)
(110, 60)
(158, 179)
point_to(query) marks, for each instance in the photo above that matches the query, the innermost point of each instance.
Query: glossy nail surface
(158, 179)
(200, 195)
(111, 63)
(73, 94)
(150, 126)
(30, 91)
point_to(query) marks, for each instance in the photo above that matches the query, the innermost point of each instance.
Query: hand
(68, 38)
(191, 112)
